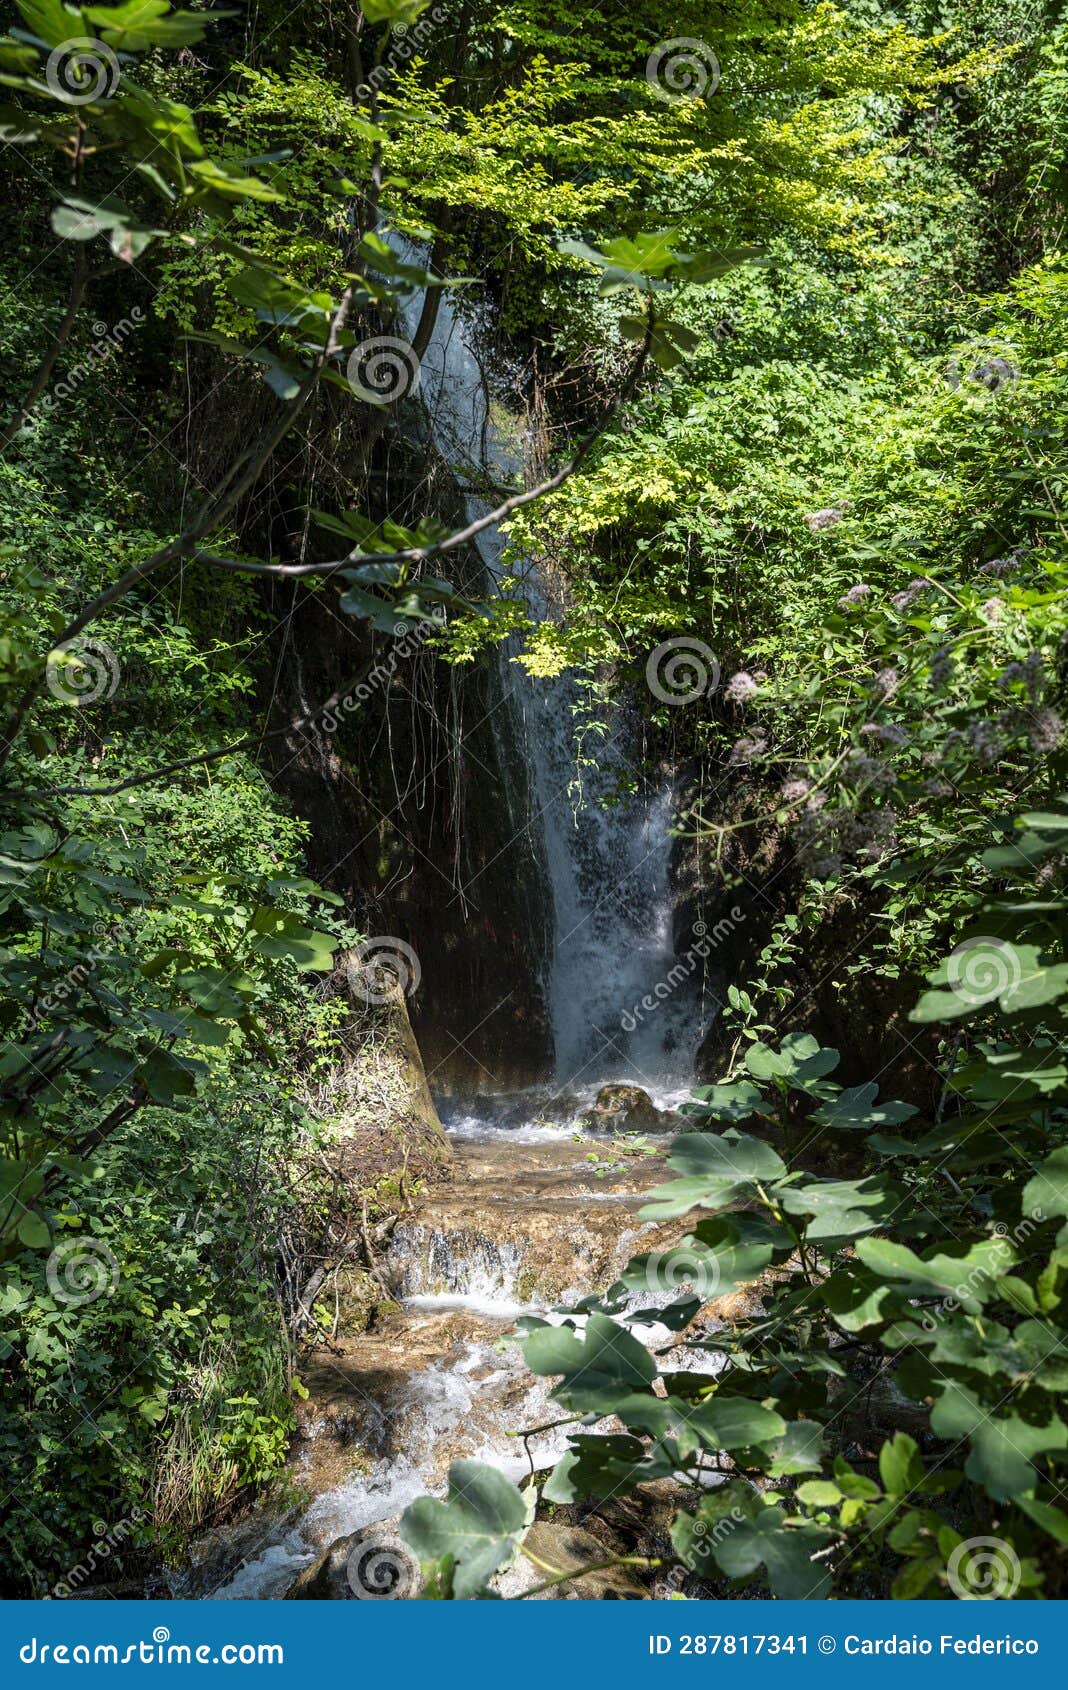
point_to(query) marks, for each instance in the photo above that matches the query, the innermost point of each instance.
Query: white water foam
(605, 842)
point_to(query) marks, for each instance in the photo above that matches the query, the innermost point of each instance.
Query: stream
(536, 1213)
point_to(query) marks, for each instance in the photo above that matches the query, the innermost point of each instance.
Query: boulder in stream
(623, 1109)
(373, 1564)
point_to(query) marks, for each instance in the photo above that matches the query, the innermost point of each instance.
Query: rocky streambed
(533, 1216)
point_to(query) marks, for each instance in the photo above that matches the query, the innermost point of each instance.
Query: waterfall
(605, 843)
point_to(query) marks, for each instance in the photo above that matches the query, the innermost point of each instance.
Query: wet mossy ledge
(383, 1145)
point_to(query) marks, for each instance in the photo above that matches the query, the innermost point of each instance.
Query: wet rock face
(371, 1565)
(569, 1549)
(521, 1224)
(623, 1109)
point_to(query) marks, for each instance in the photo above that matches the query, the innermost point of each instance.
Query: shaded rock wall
(420, 818)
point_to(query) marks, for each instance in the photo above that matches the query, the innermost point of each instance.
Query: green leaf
(841, 1209)
(598, 1365)
(52, 22)
(718, 1170)
(1047, 1193)
(393, 11)
(145, 23)
(819, 1493)
(856, 1107)
(596, 1468)
(82, 220)
(858, 1299)
(481, 1524)
(901, 1465)
(800, 1062)
(1051, 1520)
(33, 1231)
(1004, 1448)
(736, 1423)
(734, 1102)
(743, 1532)
(799, 1451)
(969, 1278)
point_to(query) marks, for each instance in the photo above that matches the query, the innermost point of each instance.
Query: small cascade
(523, 1228)
(461, 1406)
(431, 1267)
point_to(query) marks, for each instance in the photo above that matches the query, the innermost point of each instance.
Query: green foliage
(948, 1279)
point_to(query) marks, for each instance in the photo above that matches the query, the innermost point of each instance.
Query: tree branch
(221, 503)
(295, 725)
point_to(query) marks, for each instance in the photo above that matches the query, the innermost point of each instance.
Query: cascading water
(531, 1218)
(606, 848)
